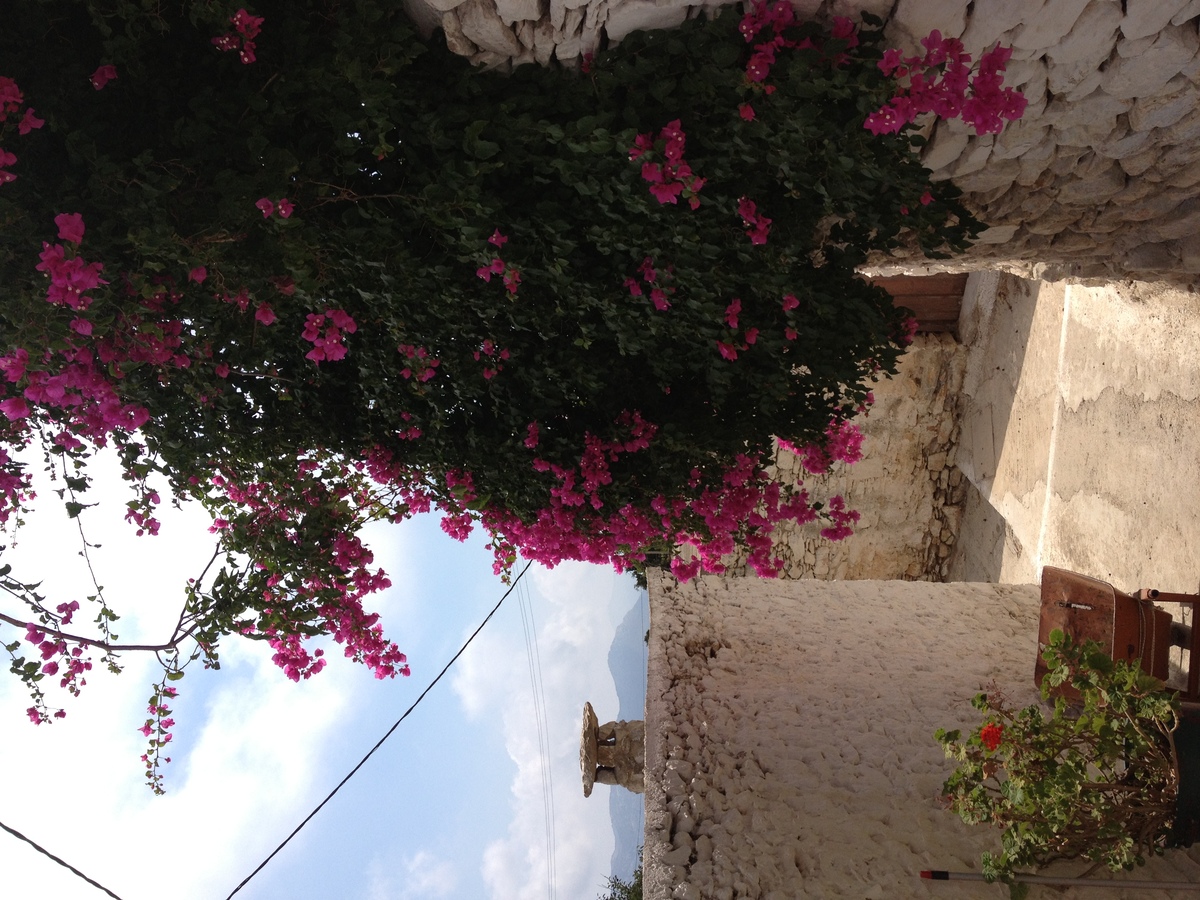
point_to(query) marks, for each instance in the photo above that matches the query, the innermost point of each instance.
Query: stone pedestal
(612, 753)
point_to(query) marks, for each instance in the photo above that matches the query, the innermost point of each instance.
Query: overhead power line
(42, 850)
(379, 743)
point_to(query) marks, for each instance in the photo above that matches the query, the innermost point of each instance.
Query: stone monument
(612, 753)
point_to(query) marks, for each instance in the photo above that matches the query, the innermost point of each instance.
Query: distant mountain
(627, 662)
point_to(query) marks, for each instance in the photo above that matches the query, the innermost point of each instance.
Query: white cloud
(575, 611)
(240, 779)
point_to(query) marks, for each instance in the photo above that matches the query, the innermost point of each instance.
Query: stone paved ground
(1081, 433)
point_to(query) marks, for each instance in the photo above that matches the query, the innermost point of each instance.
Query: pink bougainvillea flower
(512, 279)
(198, 274)
(246, 24)
(14, 408)
(70, 227)
(790, 302)
(103, 76)
(727, 350)
(497, 238)
(746, 111)
(926, 198)
(266, 206)
(731, 313)
(666, 193)
(29, 122)
(343, 321)
(265, 314)
(285, 208)
(81, 326)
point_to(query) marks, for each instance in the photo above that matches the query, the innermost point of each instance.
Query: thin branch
(107, 646)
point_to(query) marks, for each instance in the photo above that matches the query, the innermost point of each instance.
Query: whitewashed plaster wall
(789, 736)
(1101, 177)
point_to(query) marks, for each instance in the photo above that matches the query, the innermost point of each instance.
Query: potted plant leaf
(1098, 778)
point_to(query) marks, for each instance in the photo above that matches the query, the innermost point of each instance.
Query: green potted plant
(1098, 778)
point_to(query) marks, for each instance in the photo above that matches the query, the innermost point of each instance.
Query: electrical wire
(379, 744)
(40, 849)
(541, 719)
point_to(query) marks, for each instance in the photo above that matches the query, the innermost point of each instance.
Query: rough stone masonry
(1101, 177)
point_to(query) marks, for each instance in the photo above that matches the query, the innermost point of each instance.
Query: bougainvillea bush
(316, 271)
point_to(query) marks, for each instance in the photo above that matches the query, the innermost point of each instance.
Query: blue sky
(452, 806)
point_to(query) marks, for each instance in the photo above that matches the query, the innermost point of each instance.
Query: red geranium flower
(990, 735)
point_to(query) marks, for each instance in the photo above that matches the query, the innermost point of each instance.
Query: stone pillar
(612, 753)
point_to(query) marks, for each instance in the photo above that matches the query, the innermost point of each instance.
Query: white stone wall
(789, 736)
(906, 488)
(1100, 178)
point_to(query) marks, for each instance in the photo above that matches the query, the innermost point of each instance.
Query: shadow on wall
(1000, 314)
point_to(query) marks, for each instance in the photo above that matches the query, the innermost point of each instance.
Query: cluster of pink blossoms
(730, 348)
(269, 207)
(324, 331)
(11, 101)
(338, 573)
(759, 225)
(80, 388)
(510, 274)
(673, 177)
(740, 504)
(941, 83)
(492, 356)
(58, 658)
(775, 18)
(658, 293)
(843, 443)
(158, 729)
(418, 363)
(246, 29)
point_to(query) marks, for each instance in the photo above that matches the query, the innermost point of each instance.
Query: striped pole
(942, 875)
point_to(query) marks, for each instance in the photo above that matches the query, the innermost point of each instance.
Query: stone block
(1127, 46)
(1138, 163)
(914, 19)
(1149, 72)
(1187, 177)
(1185, 131)
(997, 234)
(456, 41)
(481, 24)
(990, 19)
(642, 15)
(1143, 17)
(996, 174)
(1097, 111)
(544, 39)
(1153, 257)
(853, 8)
(1053, 220)
(1089, 43)
(1048, 26)
(1181, 222)
(512, 11)
(945, 148)
(975, 157)
(1189, 253)
(1190, 11)
(1119, 147)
